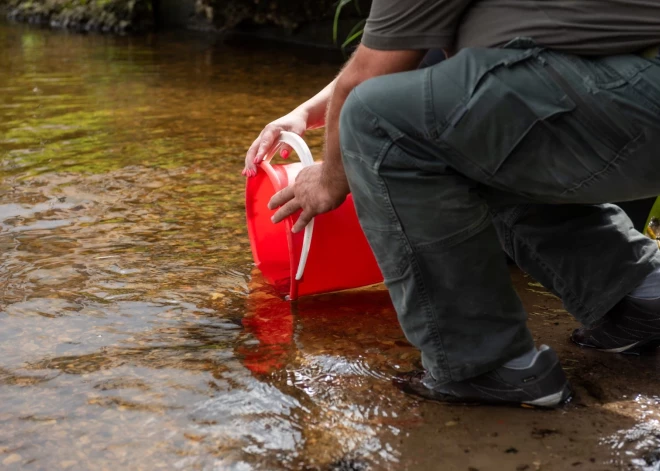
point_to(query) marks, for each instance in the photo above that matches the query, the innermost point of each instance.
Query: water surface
(135, 332)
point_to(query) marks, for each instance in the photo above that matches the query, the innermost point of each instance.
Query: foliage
(356, 32)
(288, 14)
(346, 17)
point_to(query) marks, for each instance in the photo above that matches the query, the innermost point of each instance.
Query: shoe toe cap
(582, 337)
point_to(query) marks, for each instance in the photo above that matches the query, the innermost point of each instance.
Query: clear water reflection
(133, 333)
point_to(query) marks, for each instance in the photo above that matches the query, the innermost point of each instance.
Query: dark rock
(92, 15)
(349, 465)
(652, 457)
(543, 432)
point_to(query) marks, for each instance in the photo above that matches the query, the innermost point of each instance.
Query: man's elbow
(349, 80)
(369, 63)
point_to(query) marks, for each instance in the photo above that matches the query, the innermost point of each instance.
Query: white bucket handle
(298, 144)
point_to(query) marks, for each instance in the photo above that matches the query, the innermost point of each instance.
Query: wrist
(334, 178)
(302, 114)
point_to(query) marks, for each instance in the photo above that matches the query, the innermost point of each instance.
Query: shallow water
(135, 333)
(128, 334)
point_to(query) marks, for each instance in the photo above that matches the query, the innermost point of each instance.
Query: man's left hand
(315, 191)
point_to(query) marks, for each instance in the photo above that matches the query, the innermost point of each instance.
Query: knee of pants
(400, 101)
(359, 134)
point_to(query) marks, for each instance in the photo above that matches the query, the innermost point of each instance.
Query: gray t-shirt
(597, 27)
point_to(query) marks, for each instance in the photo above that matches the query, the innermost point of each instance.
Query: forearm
(314, 109)
(333, 166)
(322, 188)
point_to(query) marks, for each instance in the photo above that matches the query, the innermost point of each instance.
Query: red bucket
(339, 255)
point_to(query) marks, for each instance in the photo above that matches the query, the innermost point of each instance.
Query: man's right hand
(295, 122)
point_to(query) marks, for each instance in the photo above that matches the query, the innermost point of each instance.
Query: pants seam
(432, 319)
(456, 238)
(605, 170)
(417, 279)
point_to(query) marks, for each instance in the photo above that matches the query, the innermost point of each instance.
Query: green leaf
(359, 27)
(351, 38)
(335, 24)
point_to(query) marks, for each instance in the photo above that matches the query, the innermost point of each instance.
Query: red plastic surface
(339, 257)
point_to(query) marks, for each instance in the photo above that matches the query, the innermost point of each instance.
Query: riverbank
(299, 22)
(109, 16)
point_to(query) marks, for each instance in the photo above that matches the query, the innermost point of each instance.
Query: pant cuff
(592, 315)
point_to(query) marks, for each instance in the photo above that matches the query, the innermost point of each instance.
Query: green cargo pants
(530, 141)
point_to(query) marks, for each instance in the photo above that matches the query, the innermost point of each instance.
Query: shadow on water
(134, 333)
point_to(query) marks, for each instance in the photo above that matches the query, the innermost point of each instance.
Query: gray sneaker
(632, 326)
(541, 384)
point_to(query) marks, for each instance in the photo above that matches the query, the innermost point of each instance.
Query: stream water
(135, 333)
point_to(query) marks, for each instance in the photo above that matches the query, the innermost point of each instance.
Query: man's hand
(323, 187)
(317, 190)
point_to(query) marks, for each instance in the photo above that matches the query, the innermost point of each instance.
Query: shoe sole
(634, 348)
(552, 400)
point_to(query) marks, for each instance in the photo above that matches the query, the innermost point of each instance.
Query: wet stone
(652, 457)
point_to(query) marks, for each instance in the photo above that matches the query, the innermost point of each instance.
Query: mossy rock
(85, 15)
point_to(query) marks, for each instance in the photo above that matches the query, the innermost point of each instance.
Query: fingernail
(256, 160)
(285, 153)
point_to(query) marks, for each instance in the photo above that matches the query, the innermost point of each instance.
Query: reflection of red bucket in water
(269, 320)
(339, 257)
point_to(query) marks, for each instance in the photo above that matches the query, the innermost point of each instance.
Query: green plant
(356, 31)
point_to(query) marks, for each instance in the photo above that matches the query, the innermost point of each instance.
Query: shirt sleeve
(413, 24)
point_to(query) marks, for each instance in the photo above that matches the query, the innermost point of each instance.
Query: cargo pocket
(508, 101)
(597, 110)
